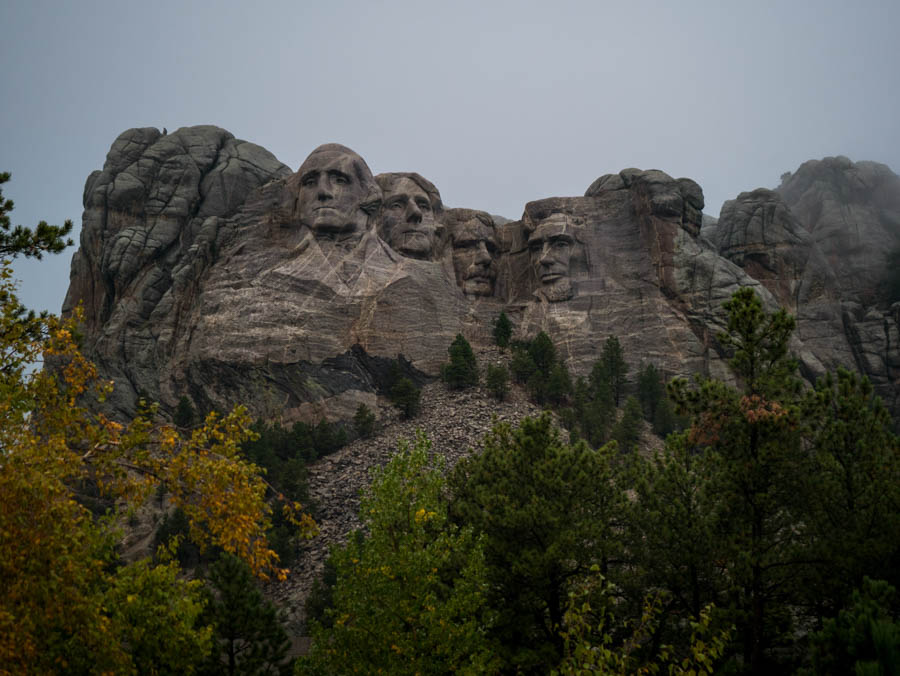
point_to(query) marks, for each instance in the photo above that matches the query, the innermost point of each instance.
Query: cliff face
(209, 269)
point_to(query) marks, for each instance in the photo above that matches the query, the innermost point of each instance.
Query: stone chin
(556, 291)
(478, 286)
(413, 243)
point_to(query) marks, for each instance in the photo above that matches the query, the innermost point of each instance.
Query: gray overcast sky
(498, 103)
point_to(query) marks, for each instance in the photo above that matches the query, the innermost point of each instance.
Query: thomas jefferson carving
(411, 212)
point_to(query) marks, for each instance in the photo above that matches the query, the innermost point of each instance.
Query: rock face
(209, 269)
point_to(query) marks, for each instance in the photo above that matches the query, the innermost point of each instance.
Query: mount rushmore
(209, 269)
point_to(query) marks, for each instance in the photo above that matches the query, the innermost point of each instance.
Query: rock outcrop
(209, 269)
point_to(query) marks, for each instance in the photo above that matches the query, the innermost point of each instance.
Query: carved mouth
(551, 277)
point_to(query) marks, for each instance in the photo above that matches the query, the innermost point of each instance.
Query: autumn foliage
(56, 612)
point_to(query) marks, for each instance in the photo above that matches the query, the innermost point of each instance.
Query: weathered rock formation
(208, 269)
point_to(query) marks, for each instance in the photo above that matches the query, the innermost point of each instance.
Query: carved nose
(324, 193)
(413, 213)
(482, 257)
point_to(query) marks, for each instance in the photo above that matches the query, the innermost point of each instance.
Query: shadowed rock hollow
(209, 269)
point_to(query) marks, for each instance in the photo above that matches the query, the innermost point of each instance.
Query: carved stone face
(474, 258)
(551, 245)
(331, 194)
(408, 219)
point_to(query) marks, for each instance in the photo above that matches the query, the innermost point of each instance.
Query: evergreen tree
(497, 381)
(522, 365)
(548, 512)
(462, 369)
(610, 370)
(247, 631)
(406, 397)
(628, 430)
(853, 490)
(184, 413)
(25, 241)
(671, 526)
(502, 330)
(651, 390)
(751, 445)
(863, 639)
(364, 421)
(542, 353)
(558, 386)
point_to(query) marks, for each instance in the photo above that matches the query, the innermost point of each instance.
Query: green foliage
(672, 529)
(522, 366)
(462, 369)
(594, 413)
(25, 241)
(248, 637)
(364, 421)
(610, 371)
(558, 386)
(502, 330)
(542, 352)
(589, 650)
(548, 512)
(184, 413)
(853, 489)
(406, 397)
(864, 638)
(628, 430)
(658, 410)
(409, 597)
(175, 524)
(752, 447)
(321, 596)
(157, 617)
(497, 381)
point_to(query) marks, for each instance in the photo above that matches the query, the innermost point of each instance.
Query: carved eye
(309, 180)
(423, 205)
(560, 244)
(396, 204)
(340, 179)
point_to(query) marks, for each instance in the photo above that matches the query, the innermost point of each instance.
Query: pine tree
(610, 370)
(751, 445)
(25, 241)
(462, 369)
(364, 421)
(853, 490)
(497, 381)
(248, 634)
(628, 430)
(650, 390)
(184, 413)
(548, 512)
(502, 330)
(406, 397)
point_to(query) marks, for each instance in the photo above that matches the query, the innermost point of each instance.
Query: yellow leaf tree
(56, 611)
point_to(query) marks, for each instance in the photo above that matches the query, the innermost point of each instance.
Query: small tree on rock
(497, 381)
(462, 369)
(406, 397)
(502, 330)
(364, 421)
